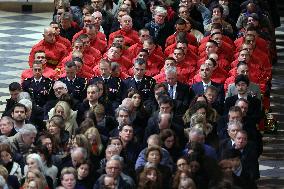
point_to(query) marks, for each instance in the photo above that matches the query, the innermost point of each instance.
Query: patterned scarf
(156, 27)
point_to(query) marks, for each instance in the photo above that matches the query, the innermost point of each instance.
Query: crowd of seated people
(146, 94)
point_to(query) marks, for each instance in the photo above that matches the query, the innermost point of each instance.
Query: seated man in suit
(140, 81)
(254, 109)
(152, 105)
(249, 157)
(165, 118)
(233, 127)
(242, 68)
(38, 86)
(178, 91)
(76, 85)
(211, 94)
(14, 89)
(200, 87)
(112, 85)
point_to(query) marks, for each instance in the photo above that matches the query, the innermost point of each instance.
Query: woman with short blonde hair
(63, 108)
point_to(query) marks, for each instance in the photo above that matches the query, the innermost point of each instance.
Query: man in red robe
(180, 26)
(47, 72)
(59, 38)
(54, 51)
(130, 35)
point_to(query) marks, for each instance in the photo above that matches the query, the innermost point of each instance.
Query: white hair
(195, 131)
(117, 157)
(24, 95)
(28, 129)
(27, 103)
(160, 10)
(60, 83)
(97, 13)
(235, 123)
(2, 182)
(81, 150)
(38, 160)
(171, 70)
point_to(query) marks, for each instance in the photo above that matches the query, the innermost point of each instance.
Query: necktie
(171, 91)
(205, 87)
(138, 84)
(37, 82)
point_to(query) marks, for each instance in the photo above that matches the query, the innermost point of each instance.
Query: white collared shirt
(206, 84)
(137, 80)
(244, 96)
(174, 90)
(39, 80)
(72, 79)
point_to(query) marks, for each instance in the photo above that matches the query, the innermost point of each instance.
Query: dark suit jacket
(146, 87)
(162, 35)
(40, 92)
(254, 109)
(199, 90)
(113, 89)
(224, 145)
(184, 95)
(249, 159)
(77, 89)
(153, 128)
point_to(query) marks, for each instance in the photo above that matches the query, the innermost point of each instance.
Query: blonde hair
(66, 108)
(94, 132)
(197, 118)
(41, 181)
(4, 172)
(68, 170)
(99, 109)
(82, 141)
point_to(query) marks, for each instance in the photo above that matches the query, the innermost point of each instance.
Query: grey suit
(252, 89)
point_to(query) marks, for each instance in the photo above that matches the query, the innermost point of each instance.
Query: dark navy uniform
(39, 90)
(77, 87)
(113, 89)
(145, 86)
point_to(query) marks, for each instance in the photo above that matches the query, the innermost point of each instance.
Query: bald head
(49, 35)
(126, 22)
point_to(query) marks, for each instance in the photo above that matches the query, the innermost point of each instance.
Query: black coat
(153, 128)
(113, 90)
(146, 87)
(199, 90)
(183, 97)
(77, 88)
(254, 108)
(40, 92)
(162, 35)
